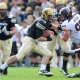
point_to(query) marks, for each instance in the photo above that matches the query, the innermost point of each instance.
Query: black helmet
(66, 13)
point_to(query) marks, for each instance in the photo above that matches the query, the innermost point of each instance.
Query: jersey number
(77, 26)
(3, 29)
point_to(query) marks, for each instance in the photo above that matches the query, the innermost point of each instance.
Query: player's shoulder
(75, 17)
(64, 23)
(40, 20)
(41, 23)
(11, 18)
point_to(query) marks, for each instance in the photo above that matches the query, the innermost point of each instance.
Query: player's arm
(39, 32)
(12, 30)
(66, 35)
(12, 26)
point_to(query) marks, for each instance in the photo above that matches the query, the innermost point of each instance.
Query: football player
(34, 35)
(72, 30)
(56, 39)
(7, 29)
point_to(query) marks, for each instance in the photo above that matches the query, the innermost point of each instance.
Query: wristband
(49, 39)
(59, 28)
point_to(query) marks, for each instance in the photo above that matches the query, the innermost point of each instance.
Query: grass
(26, 73)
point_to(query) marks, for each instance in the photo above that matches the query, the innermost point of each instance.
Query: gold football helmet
(58, 2)
(3, 9)
(3, 6)
(47, 13)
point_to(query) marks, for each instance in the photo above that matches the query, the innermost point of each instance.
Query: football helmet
(58, 2)
(47, 13)
(65, 13)
(3, 9)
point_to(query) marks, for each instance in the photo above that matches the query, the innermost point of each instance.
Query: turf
(26, 73)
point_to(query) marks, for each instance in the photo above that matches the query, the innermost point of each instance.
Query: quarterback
(30, 42)
(72, 30)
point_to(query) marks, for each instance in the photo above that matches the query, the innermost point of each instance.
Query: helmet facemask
(3, 9)
(3, 12)
(65, 13)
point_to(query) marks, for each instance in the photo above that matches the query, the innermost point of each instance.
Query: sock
(43, 67)
(4, 66)
(48, 67)
(65, 64)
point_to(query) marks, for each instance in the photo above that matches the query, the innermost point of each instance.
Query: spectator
(15, 10)
(22, 4)
(37, 11)
(30, 19)
(45, 4)
(28, 12)
(32, 4)
(7, 2)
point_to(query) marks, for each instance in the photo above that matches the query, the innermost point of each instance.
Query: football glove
(6, 32)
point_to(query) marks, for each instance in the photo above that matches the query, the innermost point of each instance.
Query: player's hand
(51, 35)
(64, 28)
(6, 32)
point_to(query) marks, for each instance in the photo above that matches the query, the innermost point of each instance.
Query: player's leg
(43, 51)
(0, 54)
(0, 58)
(65, 46)
(6, 50)
(27, 46)
(51, 46)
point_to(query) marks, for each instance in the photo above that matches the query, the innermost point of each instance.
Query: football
(47, 33)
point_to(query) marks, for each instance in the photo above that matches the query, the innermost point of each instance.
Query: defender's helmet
(65, 13)
(3, 9)
(47, 13)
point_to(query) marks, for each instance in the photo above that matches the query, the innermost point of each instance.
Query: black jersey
(6, 23)
(36, 29)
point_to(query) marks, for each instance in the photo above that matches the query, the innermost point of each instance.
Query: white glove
(6, 32)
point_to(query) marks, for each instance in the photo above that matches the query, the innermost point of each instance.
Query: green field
(25, 73)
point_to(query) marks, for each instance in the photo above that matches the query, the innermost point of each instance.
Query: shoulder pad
(13, 20)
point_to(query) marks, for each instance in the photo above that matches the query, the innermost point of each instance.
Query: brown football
(47, 33)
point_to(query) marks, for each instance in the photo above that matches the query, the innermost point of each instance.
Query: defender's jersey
(74, 27)
(6, 24)
(36, 29)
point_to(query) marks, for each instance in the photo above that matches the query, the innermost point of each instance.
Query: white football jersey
(74, 26)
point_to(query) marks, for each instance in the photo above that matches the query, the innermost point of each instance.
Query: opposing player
(30, 42)
(72, 30)
(7, 29)
(56, 39)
